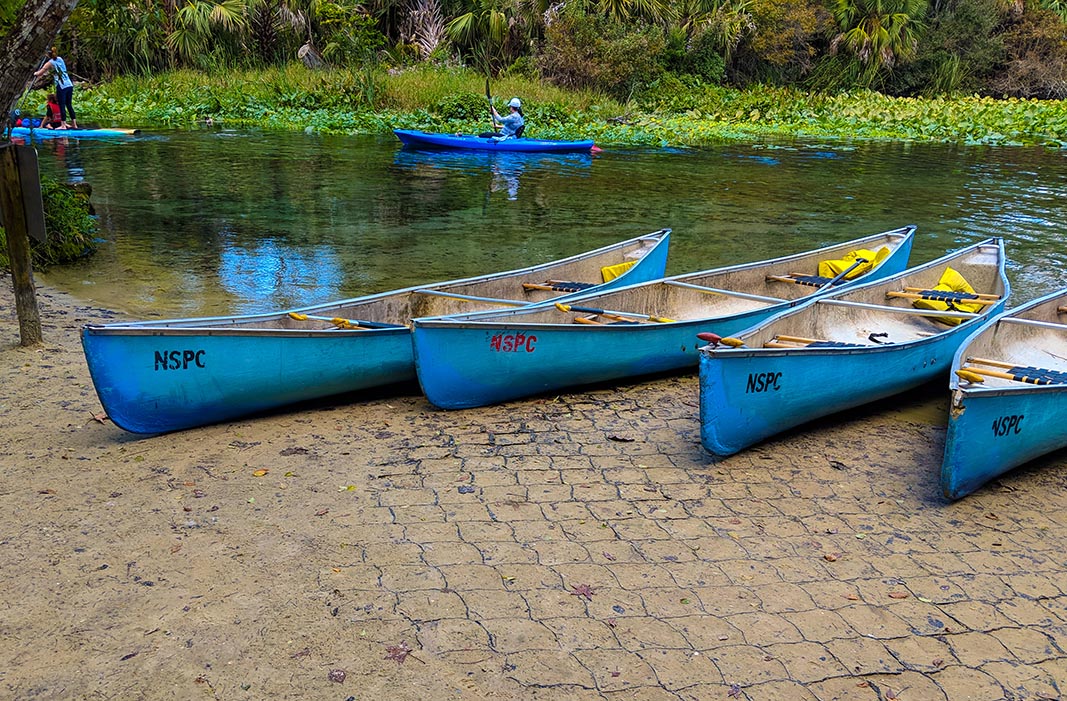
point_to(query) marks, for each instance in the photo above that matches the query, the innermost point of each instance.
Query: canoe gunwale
(118, 330)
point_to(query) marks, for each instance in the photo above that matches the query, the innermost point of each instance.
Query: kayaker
(53, 115)
(64, 86)
(510, 125)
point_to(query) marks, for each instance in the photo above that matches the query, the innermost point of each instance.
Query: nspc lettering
(179, 359)
(512, 342)
(763, 382)
(1007, 424)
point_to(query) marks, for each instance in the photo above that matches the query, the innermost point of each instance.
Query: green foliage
(69, 225)
(584, 51)
(958, 52)
(878, 33)
(461, 106)
(784, 42)
(674, 110)
(350, 35)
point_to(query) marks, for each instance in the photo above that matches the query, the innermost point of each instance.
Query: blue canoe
(1009, 395)
(156, 376)
(425, 139)
(485, 358)
(841, 350)
(40, 133)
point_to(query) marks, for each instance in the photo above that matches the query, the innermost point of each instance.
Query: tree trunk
(21, 51)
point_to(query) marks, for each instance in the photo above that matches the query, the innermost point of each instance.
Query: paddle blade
(712, 338)
(595, 149)
(968, 376)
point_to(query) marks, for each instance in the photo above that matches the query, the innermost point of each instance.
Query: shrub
(1037, 57)
(582, 51)
(70, 227)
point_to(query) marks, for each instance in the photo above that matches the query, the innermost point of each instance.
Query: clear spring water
(232, 221)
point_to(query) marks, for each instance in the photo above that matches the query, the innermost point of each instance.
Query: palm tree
(879, 33)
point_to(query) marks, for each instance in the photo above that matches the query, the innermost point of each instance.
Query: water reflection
(503, 168)
(282, 275)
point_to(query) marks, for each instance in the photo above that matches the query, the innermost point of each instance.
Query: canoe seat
(558, 286)
(802, 279)
(1020, 373)
(790, 342)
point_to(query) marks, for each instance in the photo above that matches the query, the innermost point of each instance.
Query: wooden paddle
(970, 373)
(715, 339)
(343, 323)
(623, 316)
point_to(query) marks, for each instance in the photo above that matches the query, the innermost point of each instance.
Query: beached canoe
(425, 139)
(155, 376)
(485, 358)
(845, 349)
(40, 133)
(1009, 395)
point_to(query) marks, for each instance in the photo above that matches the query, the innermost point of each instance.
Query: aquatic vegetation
(453, 100)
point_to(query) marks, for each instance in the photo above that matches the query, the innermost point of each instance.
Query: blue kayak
(470, 141)
(41, 133)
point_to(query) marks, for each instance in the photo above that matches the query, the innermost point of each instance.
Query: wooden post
(18, 248)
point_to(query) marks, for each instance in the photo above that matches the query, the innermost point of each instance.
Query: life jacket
(832, 268)
(951, 281)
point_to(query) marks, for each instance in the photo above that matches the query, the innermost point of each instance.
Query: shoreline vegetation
(376, 100)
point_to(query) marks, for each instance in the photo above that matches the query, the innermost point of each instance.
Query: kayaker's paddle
(489, 98)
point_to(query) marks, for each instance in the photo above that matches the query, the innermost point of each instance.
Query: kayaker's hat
(514, 102)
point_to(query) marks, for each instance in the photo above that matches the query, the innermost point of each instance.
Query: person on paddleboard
(510, 125)
(64, 86)
(53, 115)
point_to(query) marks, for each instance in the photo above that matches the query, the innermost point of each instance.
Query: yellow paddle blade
(661, 319)
(732, 342)
(562, 307)
(969, 376)
(298, 317)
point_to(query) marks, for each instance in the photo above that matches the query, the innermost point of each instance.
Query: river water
(230, 222)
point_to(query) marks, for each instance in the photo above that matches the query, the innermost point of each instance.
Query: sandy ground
(579, 547)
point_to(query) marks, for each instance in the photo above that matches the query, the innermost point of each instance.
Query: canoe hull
(882, 346)
(751, 399)
(471, 142)
(989, 435)
(158, 376)
(461, 367)
(481, 359)
(157, 383)
(997, 425)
